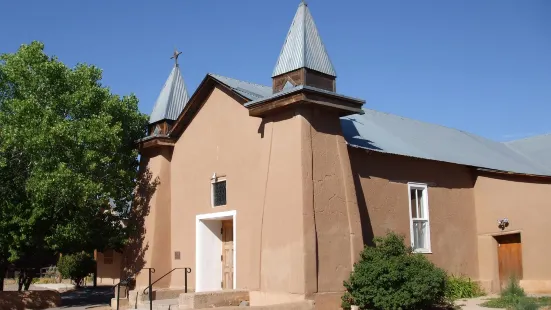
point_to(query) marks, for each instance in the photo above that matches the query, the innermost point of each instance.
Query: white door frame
(199, 260)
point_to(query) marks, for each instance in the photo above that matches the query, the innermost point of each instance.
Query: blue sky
(479, 66)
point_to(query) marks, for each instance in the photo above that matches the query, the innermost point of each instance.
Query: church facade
(277, 189)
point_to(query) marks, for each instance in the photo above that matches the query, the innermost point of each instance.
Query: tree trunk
(28, 281)
(20, 280)
(3, 269)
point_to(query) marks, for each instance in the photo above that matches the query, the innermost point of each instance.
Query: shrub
(513, 297)
(76, 266)
(458, 287)
(390, 276)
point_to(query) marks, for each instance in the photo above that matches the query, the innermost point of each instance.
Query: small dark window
(219, 193)
(108, 257)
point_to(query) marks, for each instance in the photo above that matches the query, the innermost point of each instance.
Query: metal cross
(175, 56)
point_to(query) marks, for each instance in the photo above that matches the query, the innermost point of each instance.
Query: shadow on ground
(87, 297)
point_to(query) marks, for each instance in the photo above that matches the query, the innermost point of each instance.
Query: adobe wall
(290, 182)
(152, 249)
(525, 202)
(108, 274)
(224, 139)
(381, 183)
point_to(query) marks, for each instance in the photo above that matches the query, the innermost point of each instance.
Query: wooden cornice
(306, 96)
(153, 142)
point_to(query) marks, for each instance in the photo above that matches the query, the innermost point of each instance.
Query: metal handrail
(188, 270)
(118, 286)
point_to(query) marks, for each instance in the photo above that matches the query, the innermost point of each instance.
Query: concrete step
(160, 304)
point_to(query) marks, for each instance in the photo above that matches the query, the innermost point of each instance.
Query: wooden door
(227, 254)
(509, 255)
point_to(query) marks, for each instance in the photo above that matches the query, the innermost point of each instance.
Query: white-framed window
(218, 191)
(419, 217)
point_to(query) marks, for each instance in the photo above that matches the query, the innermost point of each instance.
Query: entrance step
(161, 304)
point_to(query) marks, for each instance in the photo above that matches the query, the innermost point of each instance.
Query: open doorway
(215, 251)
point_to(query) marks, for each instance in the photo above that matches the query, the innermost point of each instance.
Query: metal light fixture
(502, 223)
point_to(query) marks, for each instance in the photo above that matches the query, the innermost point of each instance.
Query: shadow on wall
(133, 260)
(365, 220)
(390, 168)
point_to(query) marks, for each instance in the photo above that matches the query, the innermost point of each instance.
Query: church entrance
(215, 251)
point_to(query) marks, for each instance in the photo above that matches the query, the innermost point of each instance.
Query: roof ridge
(528, 138)
(238, 80)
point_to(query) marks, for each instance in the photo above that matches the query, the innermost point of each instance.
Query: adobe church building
(276, 189)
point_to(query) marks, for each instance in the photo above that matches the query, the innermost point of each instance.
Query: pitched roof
(537, 148)
(303, 47)
(172, 99)
(248, 90)
(394, 134)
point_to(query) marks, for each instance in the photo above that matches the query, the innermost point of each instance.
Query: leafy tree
(76, 266)
(68, 162)
(390, 276)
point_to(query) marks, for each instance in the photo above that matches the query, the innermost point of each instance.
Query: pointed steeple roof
(172, 99)
(303, 47)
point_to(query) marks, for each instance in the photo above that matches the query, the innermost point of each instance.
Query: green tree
(76, 266)
(68, 161)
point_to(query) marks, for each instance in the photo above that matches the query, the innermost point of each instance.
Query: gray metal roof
(172, 99)
(248, 90)
(387, 133)
(537, 148)
(303, 47)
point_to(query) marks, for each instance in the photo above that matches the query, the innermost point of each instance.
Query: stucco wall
(108, 274)
(526, 203)
(288, 179)
(221, 139)
(156, 238)
(381, 183)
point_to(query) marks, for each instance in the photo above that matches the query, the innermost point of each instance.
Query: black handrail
(118, 286)
(151, 270)
(188, 270)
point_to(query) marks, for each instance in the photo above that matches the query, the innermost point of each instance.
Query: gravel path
(474, 303)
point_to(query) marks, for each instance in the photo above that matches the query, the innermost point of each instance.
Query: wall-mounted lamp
(503, 223)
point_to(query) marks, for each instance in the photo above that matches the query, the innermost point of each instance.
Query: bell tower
(303, 59)
(170, 103)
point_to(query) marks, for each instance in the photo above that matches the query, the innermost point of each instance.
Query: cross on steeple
(175, 56)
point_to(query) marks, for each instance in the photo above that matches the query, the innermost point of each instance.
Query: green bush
(390, 276)
(76, 266)
(458, 287)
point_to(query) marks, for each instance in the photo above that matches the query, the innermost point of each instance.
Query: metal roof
(303, 47)
(248, 90)
(537, 148)
(387, 133)
(172, 99)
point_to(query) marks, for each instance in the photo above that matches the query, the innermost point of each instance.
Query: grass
(513, 297)
(521, 303)
(459, 287)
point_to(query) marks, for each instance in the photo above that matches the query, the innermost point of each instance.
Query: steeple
(304, 52)
(173, 97)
